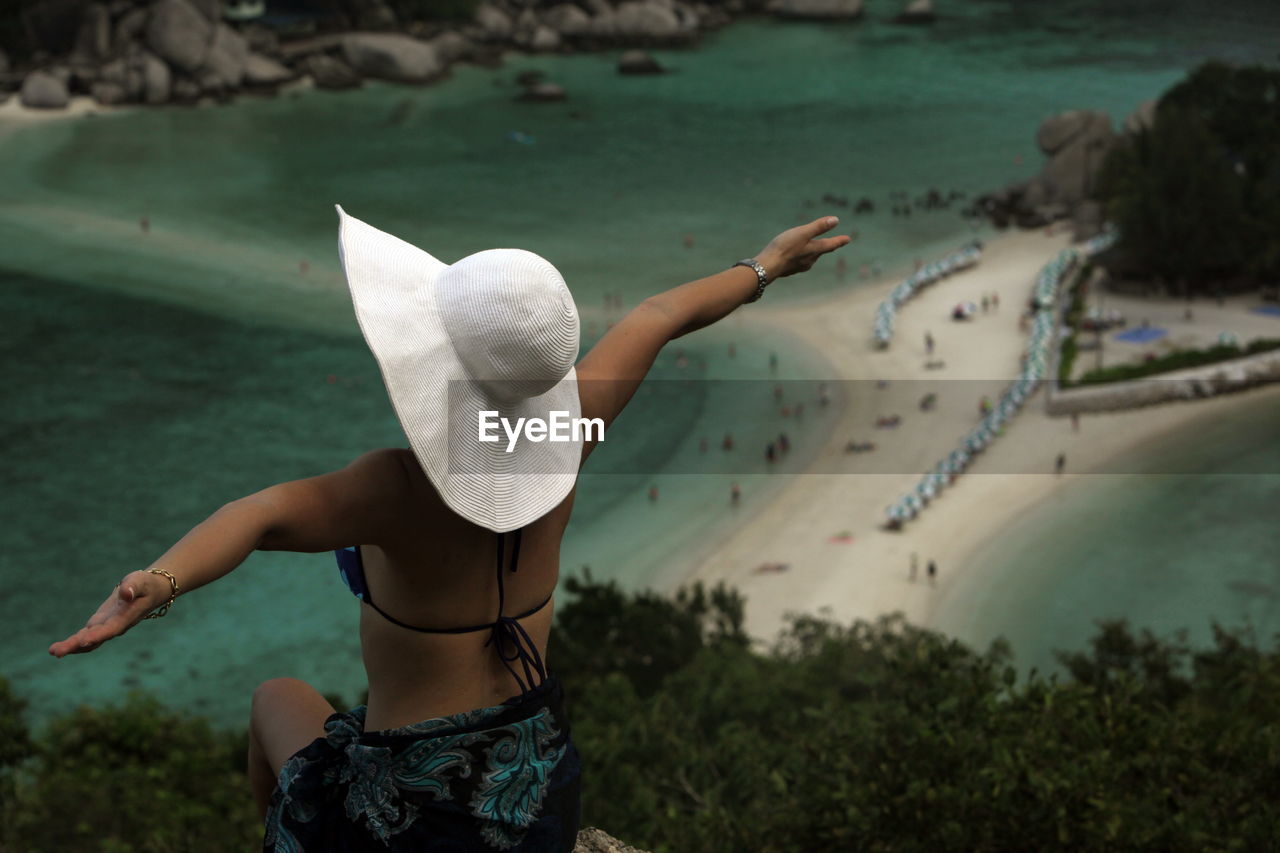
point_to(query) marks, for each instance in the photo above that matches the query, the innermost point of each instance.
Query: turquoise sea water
(149, 378)
(1185, 536)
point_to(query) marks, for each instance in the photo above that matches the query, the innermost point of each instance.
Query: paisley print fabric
(504, 778)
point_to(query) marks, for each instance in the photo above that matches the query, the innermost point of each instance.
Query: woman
(463, 743)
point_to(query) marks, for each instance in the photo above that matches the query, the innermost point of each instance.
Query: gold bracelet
(173, 593)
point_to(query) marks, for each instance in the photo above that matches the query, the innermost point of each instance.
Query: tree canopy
(1197, 195)
(872, 736)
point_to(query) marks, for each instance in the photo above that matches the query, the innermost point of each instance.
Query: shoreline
(869, 576)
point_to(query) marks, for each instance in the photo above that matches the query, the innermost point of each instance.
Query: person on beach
(928, 343)
(464, 742)
(932, 571)
(735, 495)
(1060, 464)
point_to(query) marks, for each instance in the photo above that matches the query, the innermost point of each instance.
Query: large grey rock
(592, 840)
(917, 12)
(495, 24)
(42, 90)
(544, 92)
(544, 39)
(185, 90)
(261, 39)
(179, 34)
(211, 9)
(93, 40)
(260, 70)
(157, 80)
(1057, 131)
(568, 20)
(330, 73)
(452, 46)
(108, 93)
(646, 19)
(131, 27)
(1142, 118)
(1072, 173)
(599, 7)
(819, 9)
(390, 56)
(638, 62)
(604, 24)
(227, 57)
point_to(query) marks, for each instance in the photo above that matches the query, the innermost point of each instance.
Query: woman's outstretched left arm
(346, 507)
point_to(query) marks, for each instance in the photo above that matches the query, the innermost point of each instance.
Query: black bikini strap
(508, 634)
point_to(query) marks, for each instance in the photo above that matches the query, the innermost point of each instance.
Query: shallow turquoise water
(1184, 534)
(151, 377)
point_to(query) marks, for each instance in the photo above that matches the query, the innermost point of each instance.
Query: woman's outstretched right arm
(609, 374)
(346, 507)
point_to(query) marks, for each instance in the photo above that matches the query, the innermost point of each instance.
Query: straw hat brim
(393, 292)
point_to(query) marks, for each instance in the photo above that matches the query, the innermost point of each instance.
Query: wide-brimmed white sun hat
(494, 332)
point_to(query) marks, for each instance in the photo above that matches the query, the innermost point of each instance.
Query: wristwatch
(762, 277)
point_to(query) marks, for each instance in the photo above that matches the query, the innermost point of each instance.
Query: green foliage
(876, 736)
(886, 737)
(643, 637)
(1197, 196)
(1069, 350)
(1179, 360)
(132, 777)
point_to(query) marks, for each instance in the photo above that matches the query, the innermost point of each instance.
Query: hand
(136, 596)
(796, 249)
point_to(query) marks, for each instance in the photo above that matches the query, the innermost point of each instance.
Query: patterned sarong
(500, 778)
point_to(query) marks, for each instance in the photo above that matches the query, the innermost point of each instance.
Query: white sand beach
(864, 572)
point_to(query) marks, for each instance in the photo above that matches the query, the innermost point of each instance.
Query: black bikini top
(505, 633)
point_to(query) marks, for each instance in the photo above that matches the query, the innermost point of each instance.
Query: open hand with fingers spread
(796, 249)
(128, 604)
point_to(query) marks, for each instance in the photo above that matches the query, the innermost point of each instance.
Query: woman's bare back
(437, 570)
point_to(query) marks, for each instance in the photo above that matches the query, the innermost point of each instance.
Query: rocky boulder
(211, 9)
(544, 39)
(157, 81)
(1142, 118)
(42, 90)
(592, 840)
(544, 92)
(818, 9)
(227, 57)
(108, 93)
(1056, 132)
(917, 12)
(568, 20)
(93, 40)
(452, 46)
(261, 70)
(131, 27)
(388, 56)
(647, 20)
(330, 73)
(494, 24)
(179, 34)
(185, 90)
(638, 62)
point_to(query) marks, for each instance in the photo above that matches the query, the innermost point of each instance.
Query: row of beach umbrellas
(1035, 365)
(887, 311)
